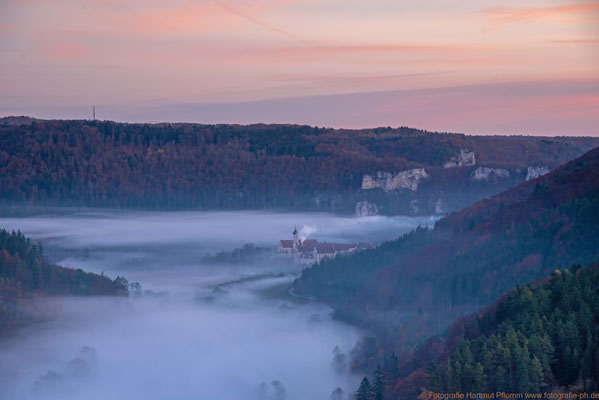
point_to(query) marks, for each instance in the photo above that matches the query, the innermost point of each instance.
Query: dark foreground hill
(410, 288)
(538, 338)
(192, 166)
(26, 274)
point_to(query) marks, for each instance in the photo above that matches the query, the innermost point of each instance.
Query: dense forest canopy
(192, 166)
(538, 338)
(410, 288)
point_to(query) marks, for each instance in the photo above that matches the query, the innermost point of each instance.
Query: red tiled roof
(306, 248)
(343, 246)
(325, 249)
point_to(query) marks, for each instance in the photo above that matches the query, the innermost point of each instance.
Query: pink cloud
(196, 19)
(336, 50)
(504, 15)
(63, 50)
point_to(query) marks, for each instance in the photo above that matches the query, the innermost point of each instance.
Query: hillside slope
(192, 166)
(412, 287)
(537, 338)
(25, 274)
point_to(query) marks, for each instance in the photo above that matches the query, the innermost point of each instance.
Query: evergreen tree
(364, 390)
(435, 380)
(455, 376)
(279, 392)
(480, 379)
(379, 386)
(337, 394)
(536, 379)
(339, 360)
(392, 369)
(501, 380)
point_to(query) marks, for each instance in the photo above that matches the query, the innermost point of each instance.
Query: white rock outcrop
(364, 209)
(534, 172)
(484, 173)
(387, 181)
(464, 159)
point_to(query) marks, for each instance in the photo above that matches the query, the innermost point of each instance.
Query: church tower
(296, 241)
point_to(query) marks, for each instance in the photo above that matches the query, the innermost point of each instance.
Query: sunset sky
(480, 67)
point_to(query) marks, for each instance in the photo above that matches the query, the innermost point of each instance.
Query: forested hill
(414, 286)
(25, 274)
(191, 166)
(538, 338)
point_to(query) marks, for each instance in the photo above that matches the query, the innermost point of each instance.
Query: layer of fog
(207, 229)
(192, 337)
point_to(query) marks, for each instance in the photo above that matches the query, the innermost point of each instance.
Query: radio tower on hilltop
(94, 113)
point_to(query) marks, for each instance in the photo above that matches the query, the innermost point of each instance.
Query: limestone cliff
(365, 209)
(387, 181)
(485, 173)
(464, 159)
(534, 172)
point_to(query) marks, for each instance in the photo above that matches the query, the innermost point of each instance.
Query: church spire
(296, 241)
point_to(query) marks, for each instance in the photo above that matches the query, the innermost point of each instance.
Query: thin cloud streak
(333, 50)
(577, 41)
(255, 21)
(504, 16)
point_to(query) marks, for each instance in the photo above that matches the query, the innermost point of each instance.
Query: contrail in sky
(253, 20)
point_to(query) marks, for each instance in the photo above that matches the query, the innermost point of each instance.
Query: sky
(477, 67)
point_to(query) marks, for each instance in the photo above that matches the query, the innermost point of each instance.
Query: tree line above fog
(25, 273)
(191, 166)
(411, 288)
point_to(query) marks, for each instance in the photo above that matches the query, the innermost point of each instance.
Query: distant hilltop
(311, 251)
(386, 171)
(20, 120)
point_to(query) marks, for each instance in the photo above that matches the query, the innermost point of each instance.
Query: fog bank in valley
(191, 337)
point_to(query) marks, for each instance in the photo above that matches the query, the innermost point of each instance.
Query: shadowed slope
(414, 286)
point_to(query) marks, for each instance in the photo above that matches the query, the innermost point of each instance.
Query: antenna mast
(94, 113)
